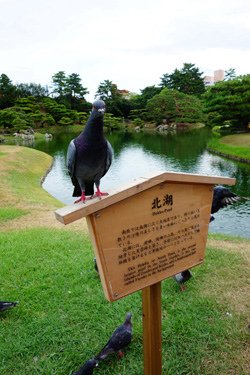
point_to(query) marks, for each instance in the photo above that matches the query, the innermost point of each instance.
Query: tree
(69, 90)
(74, 87)
(229, 101)
(59, 82)
(187, 80)
(7, 92)
(31, 89)
(230, 74)
(108, 91)
(138, 102)
(174, 106)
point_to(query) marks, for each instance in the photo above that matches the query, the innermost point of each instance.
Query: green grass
(21, 179)
(63, 318)
(231, 147)
(10, 213)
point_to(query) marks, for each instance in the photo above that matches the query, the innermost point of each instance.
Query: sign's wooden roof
(74, 212)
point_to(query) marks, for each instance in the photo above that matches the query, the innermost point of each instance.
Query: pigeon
(120, 338)
(89, 156)
(87, 368)
(222, 197)
(181, 278)
(7, 305)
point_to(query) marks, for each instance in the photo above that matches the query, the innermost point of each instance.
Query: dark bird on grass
(87, 368)
(120, 338)
(89, 156)
(181, 278)
(7, 305)
(222, 197)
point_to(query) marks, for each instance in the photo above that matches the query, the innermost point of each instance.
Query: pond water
(139, 154)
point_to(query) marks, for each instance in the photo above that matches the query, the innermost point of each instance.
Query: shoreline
(232, 157)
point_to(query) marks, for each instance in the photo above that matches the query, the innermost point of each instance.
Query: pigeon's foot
(81, 199)
(182, 288)
(120, 354)
(99, 194)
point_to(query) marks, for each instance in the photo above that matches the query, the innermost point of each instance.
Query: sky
(132, 43)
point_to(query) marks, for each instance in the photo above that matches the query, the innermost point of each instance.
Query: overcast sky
(131, 42)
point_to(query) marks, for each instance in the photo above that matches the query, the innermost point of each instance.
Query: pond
(139, 154)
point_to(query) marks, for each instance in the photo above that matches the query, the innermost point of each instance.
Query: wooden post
(152, 340)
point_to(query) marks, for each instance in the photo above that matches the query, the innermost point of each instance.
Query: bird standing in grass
(7, 305)
(120, 338)
(89, 156)
(87, 368)
(181, 278)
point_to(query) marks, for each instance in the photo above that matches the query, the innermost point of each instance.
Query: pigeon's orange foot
(99, 194)
(182, 288)
(81, 199)
(120, 354)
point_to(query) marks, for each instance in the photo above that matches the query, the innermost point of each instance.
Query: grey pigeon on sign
(181, 278)
(120, 338)
(87, 368)
(89, 156)
(7, 305)
(222, 197)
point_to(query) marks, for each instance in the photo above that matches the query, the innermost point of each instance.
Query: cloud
(132, 43)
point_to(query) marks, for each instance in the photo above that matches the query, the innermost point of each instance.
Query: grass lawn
(236, 146)
(63, 319)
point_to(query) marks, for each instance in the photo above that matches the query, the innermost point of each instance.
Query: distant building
(219, 75)
(124, 93)
(208, 80)
(211, 80)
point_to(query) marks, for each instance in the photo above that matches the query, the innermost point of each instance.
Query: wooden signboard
(148, 231)
(152, 229)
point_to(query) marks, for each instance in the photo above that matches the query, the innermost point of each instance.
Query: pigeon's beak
(101, 110)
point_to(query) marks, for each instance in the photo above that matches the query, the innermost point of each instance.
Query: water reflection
(140, 154)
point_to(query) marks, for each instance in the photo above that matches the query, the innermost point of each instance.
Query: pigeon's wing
(109, 158)
(70, 162)
(222, 197)
(71, 157)
(229, 200)
(119, 340)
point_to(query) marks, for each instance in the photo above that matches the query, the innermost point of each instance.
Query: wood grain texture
(152, 328)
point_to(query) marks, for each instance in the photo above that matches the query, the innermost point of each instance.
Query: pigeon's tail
(89, 189)
(87, 368)
(7, 305)
(77, 191)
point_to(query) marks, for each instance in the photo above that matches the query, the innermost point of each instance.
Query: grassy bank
(63, 318)
(235, 146)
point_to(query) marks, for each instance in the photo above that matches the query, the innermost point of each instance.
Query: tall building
(219, 75)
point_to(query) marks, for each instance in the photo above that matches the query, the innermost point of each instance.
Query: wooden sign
(148, 231)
